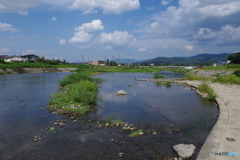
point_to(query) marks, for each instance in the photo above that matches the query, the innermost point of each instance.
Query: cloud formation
(142, 50)
(189, 48)
(7, 27)
(4, 50)
(117, 38)
(89, 27)
(62, 41)
(165, 2)
(199, 20)
(18, 6)
(54, 18)
(81, 35)
(108, 6)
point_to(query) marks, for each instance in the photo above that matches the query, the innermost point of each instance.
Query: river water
(177, 114)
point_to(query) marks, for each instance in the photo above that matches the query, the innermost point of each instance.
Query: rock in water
(121, 93)
(184, 150)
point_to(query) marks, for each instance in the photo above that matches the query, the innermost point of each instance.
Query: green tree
(2, 61)
(107, 62)
(113, 63)
(234, 58)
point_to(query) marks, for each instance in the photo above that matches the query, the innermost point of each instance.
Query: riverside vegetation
(80, 89)
(79, 93)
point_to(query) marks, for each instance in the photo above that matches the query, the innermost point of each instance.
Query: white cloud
(142, 50)
(165, 2)
(7, 27)
(62, 41)
(108, 47)
(108, 6)
(116, 38)
(227, 34)
(54, 18)
(89, 27)
(199, 20)
(150, 8)
(4, 50)
(189, 48)
(18, 6)
(80, 37)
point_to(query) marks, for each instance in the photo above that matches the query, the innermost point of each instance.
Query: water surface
(177, 114)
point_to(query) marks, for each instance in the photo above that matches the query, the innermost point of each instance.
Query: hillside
(125, 60)
(199, 59)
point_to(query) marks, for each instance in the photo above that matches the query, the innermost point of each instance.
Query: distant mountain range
(125, 60)
(199, 59)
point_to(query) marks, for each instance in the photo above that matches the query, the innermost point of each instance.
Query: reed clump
(206, 88)
(79, 94)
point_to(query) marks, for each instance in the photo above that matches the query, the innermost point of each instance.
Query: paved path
(225, 135)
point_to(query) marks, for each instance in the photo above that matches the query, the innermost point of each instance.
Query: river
(176, 114)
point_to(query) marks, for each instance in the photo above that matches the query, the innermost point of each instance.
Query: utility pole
(82, 58)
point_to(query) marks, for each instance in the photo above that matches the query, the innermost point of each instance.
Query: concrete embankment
(36, 70)
(225, 135)
(224, 138)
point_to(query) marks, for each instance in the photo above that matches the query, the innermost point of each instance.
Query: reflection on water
(177, 114)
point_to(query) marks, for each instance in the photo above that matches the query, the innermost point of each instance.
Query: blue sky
(78, 30)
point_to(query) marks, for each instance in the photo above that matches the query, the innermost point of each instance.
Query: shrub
(206, 88)
(237, 73)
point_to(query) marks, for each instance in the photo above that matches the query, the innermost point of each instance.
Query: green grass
(12, 65)
(193, 77)
(237, 73)
(135, 133)
(227, 79)
(51, 129)
(77, 77)
(157, 76)
(206, 88)
(1, 73)
(167, 84)
(81, 91)
(109, 120)
(119, 121)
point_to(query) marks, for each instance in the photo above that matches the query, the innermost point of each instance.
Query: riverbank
(225, 136)
(35, 70)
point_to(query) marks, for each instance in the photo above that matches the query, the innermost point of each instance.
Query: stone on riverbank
(184, 150)
(121, 93)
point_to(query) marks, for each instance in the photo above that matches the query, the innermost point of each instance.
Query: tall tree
(234, 58)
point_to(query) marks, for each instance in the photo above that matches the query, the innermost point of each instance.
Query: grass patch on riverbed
(136, 133)
(80, 93)
(167, 84)
(206, 88)
(157, 76)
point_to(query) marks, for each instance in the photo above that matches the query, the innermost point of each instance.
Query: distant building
(32, 57)
(11, 58)
(220, 63)
(122, 64)
(97, 62)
